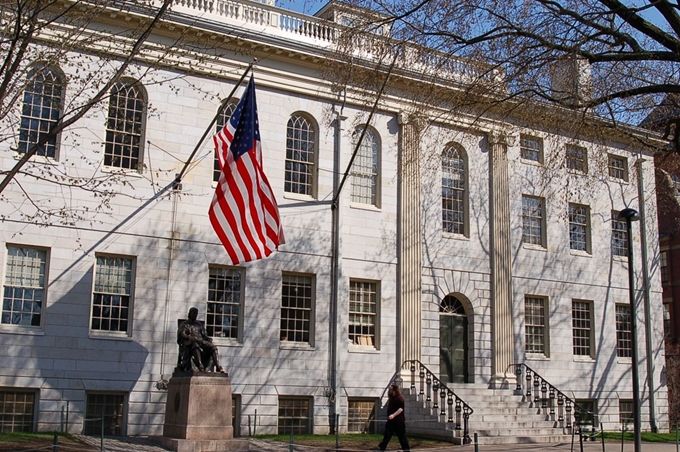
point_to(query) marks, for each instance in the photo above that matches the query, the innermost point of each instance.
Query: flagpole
(178, 177)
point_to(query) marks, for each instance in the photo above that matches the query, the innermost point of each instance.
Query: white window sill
(454, 236)
(298, 197)
(580, 253)
(368, 207)
(362, 349)
(533, 247)
(20, 329)
(291, 345)
(112, 335)
(227, 342)
(624, 360)
(536, 357)
(583, 359)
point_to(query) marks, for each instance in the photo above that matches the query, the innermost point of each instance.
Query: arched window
(222, 121)
(366, 169)
(451, 305)
(454, 190)
(125, 126)
(41, 108)
(300, 156)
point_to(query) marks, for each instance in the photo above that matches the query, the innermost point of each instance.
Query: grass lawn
(646, 437)
(16, 442)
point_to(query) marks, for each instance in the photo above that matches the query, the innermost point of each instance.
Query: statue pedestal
(198, 414)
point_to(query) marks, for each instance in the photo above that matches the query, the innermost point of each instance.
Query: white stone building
(446, 246)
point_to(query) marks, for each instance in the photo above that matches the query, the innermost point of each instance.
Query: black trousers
(395, 429)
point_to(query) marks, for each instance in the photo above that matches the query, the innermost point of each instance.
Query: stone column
(409, 238)
(503, 350)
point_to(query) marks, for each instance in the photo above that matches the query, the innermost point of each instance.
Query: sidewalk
(143, 444)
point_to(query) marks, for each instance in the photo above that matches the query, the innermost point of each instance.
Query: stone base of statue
(198, 414)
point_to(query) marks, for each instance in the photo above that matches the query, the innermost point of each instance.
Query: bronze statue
(196, 348)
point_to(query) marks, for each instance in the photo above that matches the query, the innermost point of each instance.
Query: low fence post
(101, 444)
(55, 443)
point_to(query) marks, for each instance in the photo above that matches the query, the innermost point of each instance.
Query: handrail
(548, 394)
(436, 389)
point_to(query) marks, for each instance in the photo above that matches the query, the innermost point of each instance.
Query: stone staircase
(499, 417)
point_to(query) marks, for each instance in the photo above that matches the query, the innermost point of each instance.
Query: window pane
(112, 294)
(365, 169)
(224, 302)
(123, 144)
(41, 108)
(535, 325)
(454, 177)
(361, 416)
(362, 312)
(300, 150)
(294, 416)
(532, 220)
(624, 338)
(582, 328)
(24, 287)
(110, 408)
(577, 158)
(579, 227)
(619, 236)
(531, 148)
(296, 308)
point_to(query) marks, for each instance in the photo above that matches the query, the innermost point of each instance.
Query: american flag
(243, 211)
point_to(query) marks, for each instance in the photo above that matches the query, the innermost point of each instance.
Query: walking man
(396, 421)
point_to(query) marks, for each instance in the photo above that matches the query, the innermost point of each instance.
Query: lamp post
(630, 215)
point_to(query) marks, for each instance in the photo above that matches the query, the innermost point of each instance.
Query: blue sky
(302, 6)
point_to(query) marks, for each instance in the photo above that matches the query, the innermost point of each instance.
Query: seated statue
(196, 349)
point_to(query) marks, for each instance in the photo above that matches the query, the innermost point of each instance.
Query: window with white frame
(222, 121)
(577, 158)
(619, 236)
(125, 126)
(624, 337)
(25, 284)
(582, 327)
(618, 167)
(17, 410)
(454, 190)
(586, 413)
(363, 313)
(295, 415)
(112, 295)
(531, 148)
(366, 169)
(667, 320)
(533, 220)
(225, 301)
(663, 267)
(300, 156)
(297, 308)
(40, 110)
(535, 325)
(579, 227)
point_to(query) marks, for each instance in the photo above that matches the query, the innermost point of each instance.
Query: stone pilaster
(409, 239)
(501, 261)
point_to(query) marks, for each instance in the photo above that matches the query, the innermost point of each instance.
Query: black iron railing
(550, 401)
(443, 401)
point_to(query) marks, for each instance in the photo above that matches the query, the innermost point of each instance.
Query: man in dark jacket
(396, 421)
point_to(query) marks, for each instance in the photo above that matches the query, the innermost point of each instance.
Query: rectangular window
(667, 320)
(586, 414)
(531, 148)
(225, 298)
(582, 321)
(577, 158)
(625, 412)
(363, 309)
(361, 415)
(624, 337)
(294, 416)
(619, 236)
(297, 303)
(236, 414)
(106, 407)
(535, 325)
(618, 167)
(533, 221)
(112, 296)
(579, 227)
(125, 126)
(24, 288)
(663, 267)
(16, 411)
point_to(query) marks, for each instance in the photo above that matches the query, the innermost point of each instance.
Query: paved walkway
(143, 444)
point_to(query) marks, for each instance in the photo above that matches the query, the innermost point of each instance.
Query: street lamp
(630, 215)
